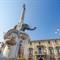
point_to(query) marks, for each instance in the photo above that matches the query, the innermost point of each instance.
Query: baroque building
(44, 49)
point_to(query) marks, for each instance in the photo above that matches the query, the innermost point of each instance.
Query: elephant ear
(24, 27)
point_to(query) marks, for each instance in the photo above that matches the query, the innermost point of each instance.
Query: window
(30, 53)
(51, 50)
(30, 50)
(40, 50)
(30, 43)
(58, 50)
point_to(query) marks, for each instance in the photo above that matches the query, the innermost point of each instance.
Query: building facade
(44, 49)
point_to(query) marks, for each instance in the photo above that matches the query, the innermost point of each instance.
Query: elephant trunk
(31, 28)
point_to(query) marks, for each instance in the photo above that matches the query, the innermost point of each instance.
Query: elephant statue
(27, 27)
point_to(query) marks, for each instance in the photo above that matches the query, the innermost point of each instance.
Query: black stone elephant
(27, 27)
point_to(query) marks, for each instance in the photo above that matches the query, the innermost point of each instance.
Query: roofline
(45, 40)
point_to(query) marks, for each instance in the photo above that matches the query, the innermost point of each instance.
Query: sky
(44, 14)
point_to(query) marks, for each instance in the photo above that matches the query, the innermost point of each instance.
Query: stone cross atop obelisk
(19, 26)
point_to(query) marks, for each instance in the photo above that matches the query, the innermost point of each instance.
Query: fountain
(16, 40)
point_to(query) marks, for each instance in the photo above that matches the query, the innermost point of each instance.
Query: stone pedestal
(23, 46)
